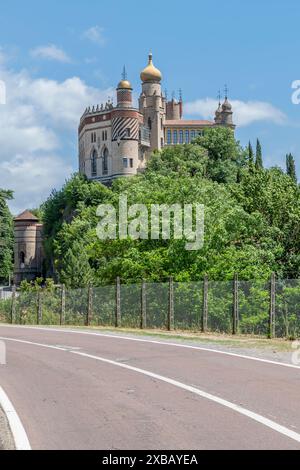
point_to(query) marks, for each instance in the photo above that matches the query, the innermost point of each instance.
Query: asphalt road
(83, 391)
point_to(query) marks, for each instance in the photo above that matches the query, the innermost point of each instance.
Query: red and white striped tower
(125, 131)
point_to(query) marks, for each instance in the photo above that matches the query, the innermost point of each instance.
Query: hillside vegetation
(252, 218)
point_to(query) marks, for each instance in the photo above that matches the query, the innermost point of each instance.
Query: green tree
(6, 237)
(291, 167)
(252, 219)
(75, 269)
(259, 160)
(250, 157)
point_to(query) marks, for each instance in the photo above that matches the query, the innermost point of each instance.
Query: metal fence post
(272, 306)
(39, 307)
(205, 304)
(143, 306)
(118, 303)
(62, 305)
(13, 305)
(90, 306)
(235, 313)
(170, 322)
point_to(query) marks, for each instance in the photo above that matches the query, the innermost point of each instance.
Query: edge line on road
(20, 437)
(162, 343)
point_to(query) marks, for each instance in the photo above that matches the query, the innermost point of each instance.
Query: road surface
(75, 390)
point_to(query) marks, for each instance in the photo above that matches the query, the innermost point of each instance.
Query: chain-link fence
(269, 308)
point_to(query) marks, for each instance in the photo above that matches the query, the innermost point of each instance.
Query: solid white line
(161, 343)
(18, 432)
(243, 411)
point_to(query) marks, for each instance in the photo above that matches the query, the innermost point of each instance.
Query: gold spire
(124, 83)
(151, 73)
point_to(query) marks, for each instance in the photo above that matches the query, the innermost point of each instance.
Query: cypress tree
(291, 167)
(6, 237)
(259, 160)
(76, 271)
(251, 157)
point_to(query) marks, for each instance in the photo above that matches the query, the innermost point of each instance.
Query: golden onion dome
(150, 73)
(125, 85)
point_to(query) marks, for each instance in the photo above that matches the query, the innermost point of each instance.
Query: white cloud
(38, 141)
(245, 112)
(50, 52)
(64, 102)
(32, 177)
(95, 34)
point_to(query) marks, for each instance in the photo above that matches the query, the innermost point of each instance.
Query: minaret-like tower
(225, 116)
(125, 132)
(152, 104)
(219, 110)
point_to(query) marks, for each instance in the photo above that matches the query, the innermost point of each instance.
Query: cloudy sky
(57, 57)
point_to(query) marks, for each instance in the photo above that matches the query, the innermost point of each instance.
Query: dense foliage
(252, 218)
(6, 237)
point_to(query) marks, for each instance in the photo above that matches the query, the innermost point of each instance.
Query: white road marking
(239, 409)
(161, 343)
(18, 432)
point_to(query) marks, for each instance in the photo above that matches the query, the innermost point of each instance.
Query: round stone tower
(125, 132)
(28, 251)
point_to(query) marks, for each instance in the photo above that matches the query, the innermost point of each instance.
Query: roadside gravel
(6, 440)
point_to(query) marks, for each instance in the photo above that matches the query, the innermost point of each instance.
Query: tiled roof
(26, 215)
(187, 123)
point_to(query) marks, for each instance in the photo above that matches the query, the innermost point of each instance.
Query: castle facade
(118, 140)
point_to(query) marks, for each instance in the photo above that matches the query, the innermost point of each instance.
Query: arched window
(150, 124)
(105, 162)
(175, 137)
(94, 163)
(187, 137)
(22, 259)
(181, 137)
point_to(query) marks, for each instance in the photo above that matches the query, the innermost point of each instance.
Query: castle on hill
(117, 141)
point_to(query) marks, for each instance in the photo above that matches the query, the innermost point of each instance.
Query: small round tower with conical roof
(28, 251)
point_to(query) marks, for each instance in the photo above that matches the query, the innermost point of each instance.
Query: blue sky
(57, 57)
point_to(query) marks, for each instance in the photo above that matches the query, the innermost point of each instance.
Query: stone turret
(28, 250)
(225, 114)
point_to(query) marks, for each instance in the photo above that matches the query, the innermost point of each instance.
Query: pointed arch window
(94, 163)
(22, 259)
(150, 124)
(105, 162)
